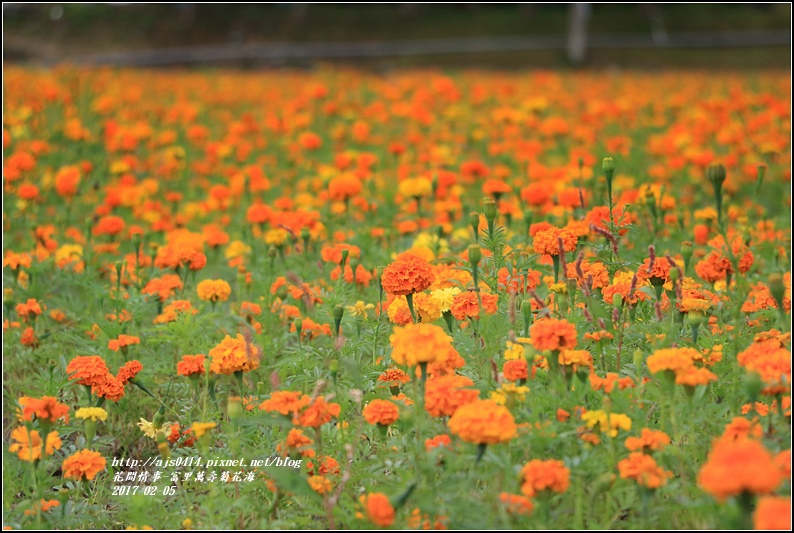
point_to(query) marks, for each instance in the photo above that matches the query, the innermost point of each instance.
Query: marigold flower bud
(474, 220)
(608, 166)
(281, 292)
(617, 299)
(489, 209)
(234, 407)
(777, 289)
(475, 254)
(716, 174)
(339, 311)
(753, 385)
(526, 311)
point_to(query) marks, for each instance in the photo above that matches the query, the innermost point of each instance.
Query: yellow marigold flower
(148, 428)
(509, 393)
(427, 307)
(91, 413)
(398, 311)
(607, 423)
(200, 428)
(68, 254)
(214, 290)
(444, 297)
(575, 358)
(431, 241)
(514, 351)
(416, 187)
(419, 343)
(276, 237)
(360, 308)
(236, 249)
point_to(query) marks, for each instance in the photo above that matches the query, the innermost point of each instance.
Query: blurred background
(717, 36)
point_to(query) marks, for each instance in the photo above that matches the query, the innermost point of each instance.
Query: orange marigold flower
(109, 225)
(27, 444)
(259, 214)
(44, 408)
(319, 412)
(483, 422)
(88, 369)
(333, 254)
(650, 440)
(285, 402)
(320, 484)
(783, 461)
(644, 470)
(85, 464)
(448, 365)
(298, 442)
(407, 276)
(736, 466)
(109, 388)
(772, 513)
(607, 383)
(66, 180)
(516, 369)
(575, 358)
(659, 274)
(553, 334)
(344, 187)
(394, 377)
(250, 309)
(714, 267)
(378, 508)
(546, 242)
(538, 475)
(128, 372)
(173, 310)
(419, 343)
(43, 506)
(122, 342)
(29, 310)
(328, 465)
(163, 286)
(381, 412)
(234, 355)
(214, 290)
(692, 377)
(770, 361)
(516, 504)
(675, 359)
(598, 335)
(439, 441)
(445, 394)
(190, 365)
(741, 428)
(28, 338)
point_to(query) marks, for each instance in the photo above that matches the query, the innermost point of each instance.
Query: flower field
(341, 300)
